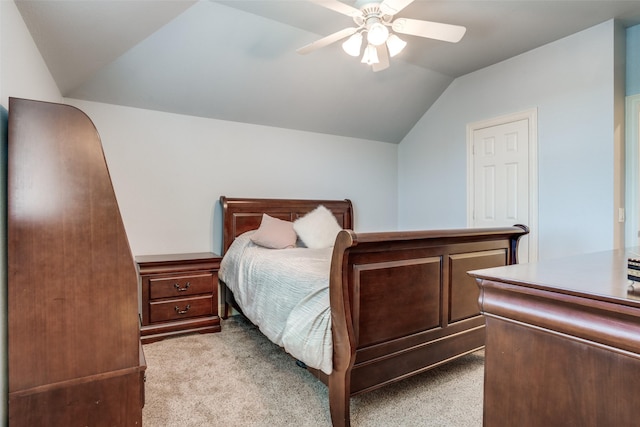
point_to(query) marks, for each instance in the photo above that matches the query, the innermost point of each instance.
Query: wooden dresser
(74, 352)
(562, 342)
(179, 294)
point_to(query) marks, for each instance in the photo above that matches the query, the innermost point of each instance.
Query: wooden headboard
(241, 215)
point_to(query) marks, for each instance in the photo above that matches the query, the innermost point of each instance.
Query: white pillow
(317, 229)
(274, 233)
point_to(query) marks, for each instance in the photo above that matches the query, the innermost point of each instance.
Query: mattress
(285, 293)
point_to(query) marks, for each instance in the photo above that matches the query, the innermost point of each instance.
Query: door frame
(532, 116)
(632, 162)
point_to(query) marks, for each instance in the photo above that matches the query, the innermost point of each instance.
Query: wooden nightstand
(179, 294)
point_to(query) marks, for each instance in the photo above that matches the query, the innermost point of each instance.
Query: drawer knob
(182, 289)
(186, 309)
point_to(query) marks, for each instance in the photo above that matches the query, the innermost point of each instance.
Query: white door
(500, 178)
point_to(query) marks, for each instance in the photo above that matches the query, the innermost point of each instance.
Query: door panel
(501, 177)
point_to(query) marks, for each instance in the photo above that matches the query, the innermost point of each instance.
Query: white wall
(23, 74)
(169, 171)
(571, 82)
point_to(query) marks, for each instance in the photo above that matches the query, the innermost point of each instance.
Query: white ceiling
(235, 60)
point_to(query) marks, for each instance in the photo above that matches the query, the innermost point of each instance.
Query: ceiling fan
(374, 18)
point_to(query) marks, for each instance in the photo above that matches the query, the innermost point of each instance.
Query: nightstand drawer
(181, 308)
(181, 286)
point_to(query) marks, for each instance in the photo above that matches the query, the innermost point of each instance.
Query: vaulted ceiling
(236, 59)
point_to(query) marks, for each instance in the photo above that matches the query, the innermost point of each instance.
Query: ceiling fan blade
(339, 7)
(432, 30)
(392, 7)
(326, 41)
(383, 57)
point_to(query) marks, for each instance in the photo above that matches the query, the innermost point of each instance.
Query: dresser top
(599, 276)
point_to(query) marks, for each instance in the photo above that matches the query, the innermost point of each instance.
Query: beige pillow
(317, 229)
(274, 233)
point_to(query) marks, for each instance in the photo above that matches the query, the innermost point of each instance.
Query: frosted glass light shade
(370, 56)
(395, 45)
(377, 34)
(353, 44)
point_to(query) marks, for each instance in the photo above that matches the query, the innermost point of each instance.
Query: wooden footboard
(402, 303)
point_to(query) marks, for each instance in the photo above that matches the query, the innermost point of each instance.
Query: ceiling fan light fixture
(353, 45)
(370, 56)
(377, 34)
(395, 45)
(377, 18)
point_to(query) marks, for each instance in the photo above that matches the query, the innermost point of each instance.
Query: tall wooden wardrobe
(74, 350)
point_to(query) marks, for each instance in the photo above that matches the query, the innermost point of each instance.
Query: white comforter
(285, 292)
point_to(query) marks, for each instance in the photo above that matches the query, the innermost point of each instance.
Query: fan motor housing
(371, 14)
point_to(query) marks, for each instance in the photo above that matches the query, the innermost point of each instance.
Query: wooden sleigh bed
(400, 302)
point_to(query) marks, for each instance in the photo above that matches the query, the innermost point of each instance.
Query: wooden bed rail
(402, 303)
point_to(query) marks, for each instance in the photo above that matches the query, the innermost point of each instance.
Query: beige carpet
(238, 378)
